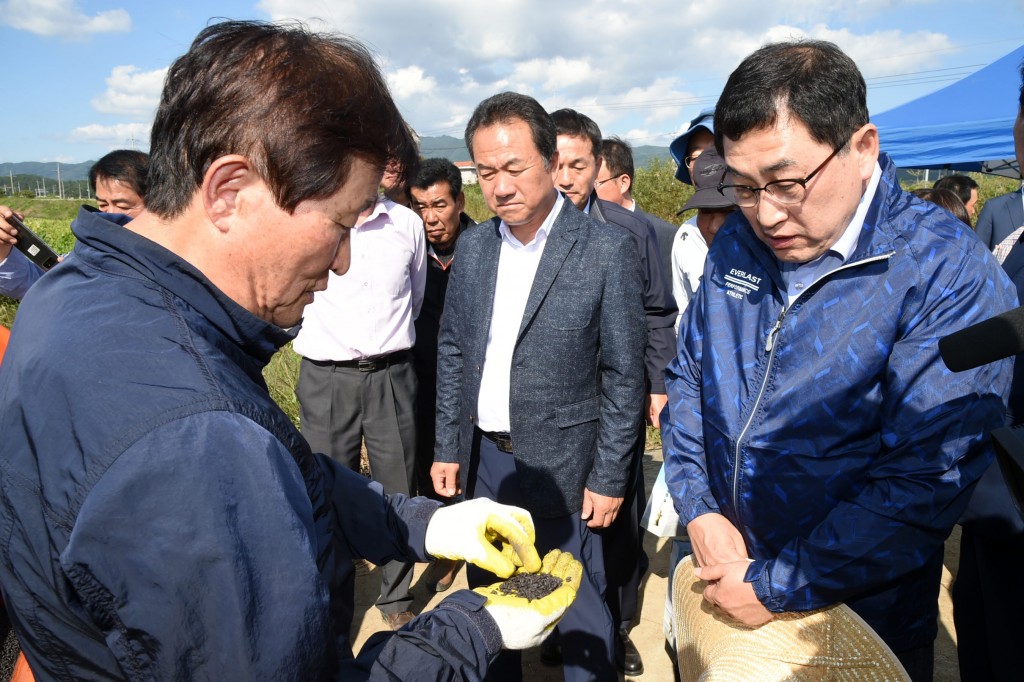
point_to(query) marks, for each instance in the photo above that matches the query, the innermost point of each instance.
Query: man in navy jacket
(162, 517)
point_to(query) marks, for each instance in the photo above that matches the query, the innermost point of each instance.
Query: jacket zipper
(769, 348)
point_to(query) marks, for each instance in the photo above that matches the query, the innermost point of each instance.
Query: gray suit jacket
(577, 384)
(999, 217)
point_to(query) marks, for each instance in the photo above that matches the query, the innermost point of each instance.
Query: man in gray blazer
(541, 365)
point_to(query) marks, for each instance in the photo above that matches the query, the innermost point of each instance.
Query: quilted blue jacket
(161, 517)
(829, 432)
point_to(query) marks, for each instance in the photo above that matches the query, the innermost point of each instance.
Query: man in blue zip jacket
(817, 449)
(162, 517)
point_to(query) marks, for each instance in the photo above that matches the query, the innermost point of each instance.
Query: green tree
(656, 189)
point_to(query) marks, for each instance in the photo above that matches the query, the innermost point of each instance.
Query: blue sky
(83, 77)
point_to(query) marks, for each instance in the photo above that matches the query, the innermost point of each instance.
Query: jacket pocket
(578, 413)
(571, 318)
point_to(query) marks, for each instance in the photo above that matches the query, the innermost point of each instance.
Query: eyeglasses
(598, 183)
(688, 161)
(789, 191)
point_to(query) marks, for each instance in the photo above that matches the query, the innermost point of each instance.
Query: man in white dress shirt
(357, 382)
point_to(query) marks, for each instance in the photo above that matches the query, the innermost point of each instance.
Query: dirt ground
(647, 634)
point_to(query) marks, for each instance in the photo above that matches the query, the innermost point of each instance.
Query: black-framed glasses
(786, 191)
(598, 183)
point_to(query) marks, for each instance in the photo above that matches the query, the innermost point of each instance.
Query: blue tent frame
(966, 126)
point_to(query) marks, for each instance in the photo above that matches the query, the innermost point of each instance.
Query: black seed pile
(530, 586)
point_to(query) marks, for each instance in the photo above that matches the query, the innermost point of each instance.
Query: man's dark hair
(438, 170)
(960, 185)
(574, 124)
(511, 106)
(618, 157)
(127, 166)
(812, 80)
(301, 106)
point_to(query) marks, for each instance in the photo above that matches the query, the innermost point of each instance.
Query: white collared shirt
(369, 310)
(517, 267)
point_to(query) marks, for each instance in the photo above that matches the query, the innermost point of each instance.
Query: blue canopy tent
(966, 126)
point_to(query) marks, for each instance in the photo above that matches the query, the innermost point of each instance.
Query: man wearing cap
(817, 448)
(690, 247)
(699, 137)
(615, 184)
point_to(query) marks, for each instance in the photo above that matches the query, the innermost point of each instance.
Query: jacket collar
(104, 245)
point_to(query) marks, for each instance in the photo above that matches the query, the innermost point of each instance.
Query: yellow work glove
(526, 622)
(469, 530)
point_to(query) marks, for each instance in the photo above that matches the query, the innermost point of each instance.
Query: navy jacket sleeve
(454, 641)
(201, 561)
(373, 525)
(17, 274)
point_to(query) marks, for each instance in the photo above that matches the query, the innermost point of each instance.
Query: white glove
(468, 530)
(523, 622)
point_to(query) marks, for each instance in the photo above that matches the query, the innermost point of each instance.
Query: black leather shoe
(551, 652)
(627, 658)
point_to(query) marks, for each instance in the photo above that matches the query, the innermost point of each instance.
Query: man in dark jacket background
(163, 518)
(615, 183)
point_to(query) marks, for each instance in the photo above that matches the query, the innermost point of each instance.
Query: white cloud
(409, 82)
(131, 92)
(648, 65)
(62, 18)
(118, 135)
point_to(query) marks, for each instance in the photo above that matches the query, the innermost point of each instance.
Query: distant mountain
(445, 146)
(454, 149)
(47, 169)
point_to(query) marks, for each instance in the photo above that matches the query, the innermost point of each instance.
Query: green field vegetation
(656, 190)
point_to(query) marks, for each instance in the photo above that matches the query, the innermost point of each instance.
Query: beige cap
(832, 644)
